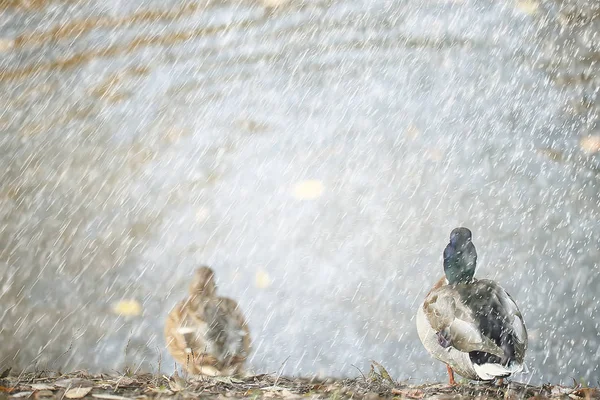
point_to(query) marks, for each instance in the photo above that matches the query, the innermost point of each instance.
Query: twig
(281, 370)
(127, 345)
(157, 377)
(159, 360)
(360, 372)
(58, 358)
(187, 365)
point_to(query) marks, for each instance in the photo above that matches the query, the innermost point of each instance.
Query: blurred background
(316, 154)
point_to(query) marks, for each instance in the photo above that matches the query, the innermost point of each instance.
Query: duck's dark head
(460, 257)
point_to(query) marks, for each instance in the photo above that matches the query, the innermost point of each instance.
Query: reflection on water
(315, 154)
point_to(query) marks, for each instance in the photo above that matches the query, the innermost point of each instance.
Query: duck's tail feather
(489, 371)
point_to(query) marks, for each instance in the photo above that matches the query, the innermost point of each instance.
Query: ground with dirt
(377, 384)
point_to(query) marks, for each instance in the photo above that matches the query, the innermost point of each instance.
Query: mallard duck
(207, 334)
(472, 325)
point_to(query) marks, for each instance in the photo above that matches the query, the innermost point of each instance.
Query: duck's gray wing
(498, 318)
(455, 322)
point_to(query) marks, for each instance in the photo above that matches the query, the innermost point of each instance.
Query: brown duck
(207, 334)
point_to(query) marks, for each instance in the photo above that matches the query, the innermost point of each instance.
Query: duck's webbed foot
(444, 339)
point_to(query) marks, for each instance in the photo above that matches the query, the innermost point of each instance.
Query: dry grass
(81, 385)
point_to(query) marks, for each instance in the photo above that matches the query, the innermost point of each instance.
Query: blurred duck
(472, 325)
(207, 334)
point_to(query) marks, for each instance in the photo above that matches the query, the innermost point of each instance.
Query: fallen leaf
(208, 370)
(124, 381)
(176, 382)
(412, 132)
(202, 214)
(227, 379)
(383, 372)
(414, 394)
(373, 377)
(434, 154)
(254, 126)
(308, 190)
(6, 389)
(278, 391)
(109, 396)
(6, 44)
(372, 396)
(289, 395)
(160, 390)
(272, 388)
(527, 6)
(263, 280)
(21, 394)
(42, 386)
(559, 390)
(552, 154)
(174, 134)
(5, 373)
(77, 393)
(129, 308)
(586, 392)
(176, 385)
(274, 3)
(590, 144)
(410, 393)
(43, 394)
(73, 383)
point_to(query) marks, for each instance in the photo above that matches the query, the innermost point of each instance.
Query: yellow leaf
(382, 371)
(274, 3)
(77, 393)
(590, 144)
(128, 308)
(434, 154)
(412, 132)
(202, 214)
(308, 190)
(6, 44)
(528, 6)
(263, 280)
(554, 155)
